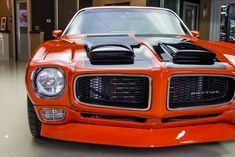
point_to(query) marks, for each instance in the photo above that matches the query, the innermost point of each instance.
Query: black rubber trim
(33, 121)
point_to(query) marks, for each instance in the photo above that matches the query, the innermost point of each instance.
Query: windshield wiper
(108, 35)
(156, 35)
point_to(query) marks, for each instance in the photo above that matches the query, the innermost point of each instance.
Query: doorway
(22, 27)
(190, 15)
(43, 17)
(65, 8)
(85, 3)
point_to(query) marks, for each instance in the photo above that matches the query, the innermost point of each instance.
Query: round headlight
(50, 82)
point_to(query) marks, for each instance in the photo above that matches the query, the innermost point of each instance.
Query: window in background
(231, 23)
(223, 29)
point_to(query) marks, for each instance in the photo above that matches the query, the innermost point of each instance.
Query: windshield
(124, 20)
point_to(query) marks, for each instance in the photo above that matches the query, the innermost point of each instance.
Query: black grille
(115, 118)
(186, 118)
(195, 91)
(114, 91)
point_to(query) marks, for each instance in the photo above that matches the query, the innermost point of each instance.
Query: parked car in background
(131, 76)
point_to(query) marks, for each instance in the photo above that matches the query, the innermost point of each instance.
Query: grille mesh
(193, 91)
(114, 91)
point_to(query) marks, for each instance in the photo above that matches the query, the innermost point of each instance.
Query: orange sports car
(131, 76)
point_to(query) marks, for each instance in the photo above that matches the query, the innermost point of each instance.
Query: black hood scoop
(105, 50)
(185, 53)
(119, 49)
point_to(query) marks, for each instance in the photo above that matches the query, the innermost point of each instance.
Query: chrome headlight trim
(35, 88)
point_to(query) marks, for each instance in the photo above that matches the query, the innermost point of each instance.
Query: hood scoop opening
(110, 50)
(186, 53)
(110, 54)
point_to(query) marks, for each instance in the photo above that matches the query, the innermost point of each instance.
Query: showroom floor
(16, 141)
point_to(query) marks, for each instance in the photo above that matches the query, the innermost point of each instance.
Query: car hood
(69, 51)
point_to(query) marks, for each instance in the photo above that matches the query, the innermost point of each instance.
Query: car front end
(133, 90)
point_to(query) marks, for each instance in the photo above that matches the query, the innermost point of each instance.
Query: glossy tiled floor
(16, 141)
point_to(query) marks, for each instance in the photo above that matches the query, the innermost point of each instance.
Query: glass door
(22, 30)
(227, 23)
(223, 23)
(231, 24)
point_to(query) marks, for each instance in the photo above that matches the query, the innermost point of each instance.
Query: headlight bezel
(35, 88)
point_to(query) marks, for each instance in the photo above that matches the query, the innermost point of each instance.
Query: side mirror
(195, 33)
(57, 33)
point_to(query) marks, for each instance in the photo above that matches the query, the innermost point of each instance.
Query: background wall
(132, 2)
(4, 12)
(204, 22)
